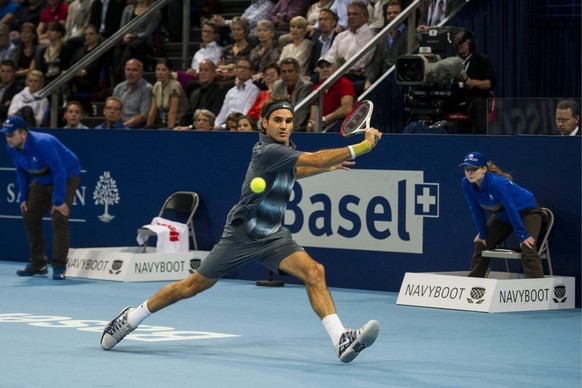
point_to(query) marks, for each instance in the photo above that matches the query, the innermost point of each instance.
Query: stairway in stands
(173, 51)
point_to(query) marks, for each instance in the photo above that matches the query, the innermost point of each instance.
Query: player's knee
(315, 273)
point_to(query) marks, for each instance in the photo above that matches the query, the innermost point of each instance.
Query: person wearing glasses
(112, 113)
(568, 118)
(489, 189)
(241, 96)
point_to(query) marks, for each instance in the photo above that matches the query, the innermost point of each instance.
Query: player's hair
(266, 111)
(496, 170)
(569, 104)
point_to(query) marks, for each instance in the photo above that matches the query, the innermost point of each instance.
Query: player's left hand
(343, 165)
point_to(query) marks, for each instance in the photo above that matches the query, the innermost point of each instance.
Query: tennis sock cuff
(334, 327)
(360, 148)
(138, 315)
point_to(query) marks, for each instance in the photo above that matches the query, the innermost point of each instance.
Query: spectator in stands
(349, 42)
(337, 100)
(390, 48)
(479, 83)
(432, 12)
(169, 102)
(246, 124)
(241, 48)
(89, 79)
(77, 19)
(209, 48)
(203, 121)
(293, 85)
(8, 10)
(285, 10)
(568, 118)
(299, 48)
(377, 15)
(267, 51)
(25, 53)
(340, 8)
(8, 86)
(106, 15)
(256, 11)
(136, 94)
(139, 42)
(271, 73)
(73, 116)
(241, 96)
(232, 121)
(29, 13)
(55, 57)
(313, 14)
(112, 111)
(6, 46)
(56, 10)
(209, 95)
(322, 40)
(37, 108)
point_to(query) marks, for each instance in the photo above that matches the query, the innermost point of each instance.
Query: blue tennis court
(241, 335)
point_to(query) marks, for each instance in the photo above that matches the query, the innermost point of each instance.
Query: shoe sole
(366, 339)
(105, 347)
(23, 273)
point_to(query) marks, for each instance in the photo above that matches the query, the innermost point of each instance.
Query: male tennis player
(253, 233)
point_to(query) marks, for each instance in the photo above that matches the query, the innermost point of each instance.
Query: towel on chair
(172, 236)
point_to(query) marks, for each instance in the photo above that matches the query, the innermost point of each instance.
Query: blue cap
(474, 159)
(13, 123)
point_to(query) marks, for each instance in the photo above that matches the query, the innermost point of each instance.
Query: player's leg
(348, 343)
(130, 318)
(38, 202)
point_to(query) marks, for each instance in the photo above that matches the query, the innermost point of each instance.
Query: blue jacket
(45, 160)
(502, 197)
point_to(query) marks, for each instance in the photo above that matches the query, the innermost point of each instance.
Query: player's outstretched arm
(328, 158)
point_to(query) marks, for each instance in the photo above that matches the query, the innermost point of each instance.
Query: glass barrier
(523, 116)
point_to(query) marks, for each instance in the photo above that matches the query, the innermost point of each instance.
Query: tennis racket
(358, 120)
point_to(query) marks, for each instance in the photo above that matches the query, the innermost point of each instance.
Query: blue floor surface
(240, 335)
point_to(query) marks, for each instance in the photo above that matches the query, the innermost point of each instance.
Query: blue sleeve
(22, 176)
(477, 212)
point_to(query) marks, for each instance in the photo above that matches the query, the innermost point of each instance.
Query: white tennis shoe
(116, 330)
(352, 342)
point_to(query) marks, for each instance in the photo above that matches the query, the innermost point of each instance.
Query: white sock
(334, 328)
(137, 315)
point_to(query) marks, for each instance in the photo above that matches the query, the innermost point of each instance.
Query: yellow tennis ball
(258, 185)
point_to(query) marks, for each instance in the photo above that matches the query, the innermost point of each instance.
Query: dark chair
(542, 244)
(179, 207)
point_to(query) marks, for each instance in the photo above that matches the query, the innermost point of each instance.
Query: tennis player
(253, 233)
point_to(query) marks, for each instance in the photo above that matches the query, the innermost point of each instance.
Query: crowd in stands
(274, 48)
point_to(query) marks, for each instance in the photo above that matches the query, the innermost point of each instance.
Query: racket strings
(356, 119)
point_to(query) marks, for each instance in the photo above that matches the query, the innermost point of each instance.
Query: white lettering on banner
(373, 210)
(524, 296)
(443, 292)
(145, 333)
(87, 264)
(159, 266)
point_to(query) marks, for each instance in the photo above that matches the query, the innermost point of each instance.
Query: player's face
(279, 126)
(566, 121)
(474, 174)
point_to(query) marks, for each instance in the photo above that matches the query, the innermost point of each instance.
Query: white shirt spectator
(25, 98)
(348, 43)
(239, 98)
(212, 52)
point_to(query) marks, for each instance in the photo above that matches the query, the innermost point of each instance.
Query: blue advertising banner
(400, 209)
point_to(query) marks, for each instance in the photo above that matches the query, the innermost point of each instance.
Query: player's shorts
(236, 249)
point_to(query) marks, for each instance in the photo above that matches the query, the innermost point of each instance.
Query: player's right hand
(373, 136)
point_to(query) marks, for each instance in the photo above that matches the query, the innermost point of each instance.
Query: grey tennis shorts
(236, 249)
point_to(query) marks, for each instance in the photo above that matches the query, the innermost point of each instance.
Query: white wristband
(352, 152)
